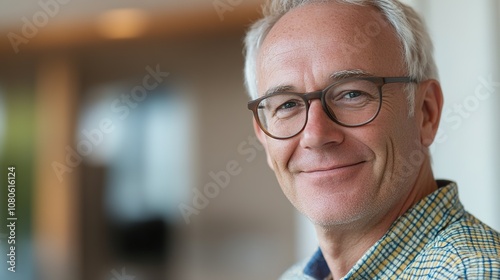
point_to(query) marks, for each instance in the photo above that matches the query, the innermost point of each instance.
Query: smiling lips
(337, 167)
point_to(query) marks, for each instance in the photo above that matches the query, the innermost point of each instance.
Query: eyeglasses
(350, 102)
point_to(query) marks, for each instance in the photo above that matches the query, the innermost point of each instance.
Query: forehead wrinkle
(269, 57)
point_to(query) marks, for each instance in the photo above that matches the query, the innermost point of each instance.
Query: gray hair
(410, 29)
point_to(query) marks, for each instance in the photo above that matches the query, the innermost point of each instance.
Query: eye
(282, 105)
(351, 98)
(352, 94)
(287, 105)
(289, 108)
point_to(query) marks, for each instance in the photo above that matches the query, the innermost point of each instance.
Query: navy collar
(317, 266)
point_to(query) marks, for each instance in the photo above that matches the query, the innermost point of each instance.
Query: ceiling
(13, 12)
(77, 22)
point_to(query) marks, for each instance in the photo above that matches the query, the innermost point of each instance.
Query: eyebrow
(350, 73)
(277, 89)
(336, 76)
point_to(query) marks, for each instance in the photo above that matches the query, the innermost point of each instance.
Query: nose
(320, 130)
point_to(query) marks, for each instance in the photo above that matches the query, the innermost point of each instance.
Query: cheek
(279, 153)
(385, 137)
(392, 125)
(394, 140)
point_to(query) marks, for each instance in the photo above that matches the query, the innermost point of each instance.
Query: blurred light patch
(147, 152)
(98, 106)
(122, 23)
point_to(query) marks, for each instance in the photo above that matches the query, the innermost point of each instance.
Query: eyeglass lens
(349, 103)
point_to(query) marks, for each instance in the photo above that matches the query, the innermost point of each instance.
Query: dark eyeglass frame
(320, 94)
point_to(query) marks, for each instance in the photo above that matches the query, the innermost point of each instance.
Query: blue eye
(287, 105)
(289, 108)
(352, 94)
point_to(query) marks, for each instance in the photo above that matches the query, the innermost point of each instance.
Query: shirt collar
(412, 231)
(317, 266)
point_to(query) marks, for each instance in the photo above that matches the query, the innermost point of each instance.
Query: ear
(263, 140)
(429, 107)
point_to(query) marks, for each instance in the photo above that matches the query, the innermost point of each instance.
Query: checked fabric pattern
(435, 239)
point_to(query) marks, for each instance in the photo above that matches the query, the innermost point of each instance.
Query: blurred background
(135, 155)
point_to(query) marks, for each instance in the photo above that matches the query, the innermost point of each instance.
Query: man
(346, 102)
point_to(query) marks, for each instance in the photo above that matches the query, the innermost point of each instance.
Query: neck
(343, 246)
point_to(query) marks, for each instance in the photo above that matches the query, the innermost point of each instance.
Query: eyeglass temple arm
(399, 80)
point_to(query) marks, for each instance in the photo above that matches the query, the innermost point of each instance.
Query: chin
(332, 217)
(331, 209)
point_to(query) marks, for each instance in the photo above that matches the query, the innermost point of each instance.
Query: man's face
(334, 174)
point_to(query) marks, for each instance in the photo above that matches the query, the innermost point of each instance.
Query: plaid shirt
(435, 239)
